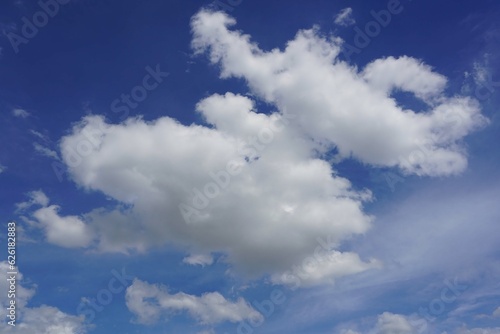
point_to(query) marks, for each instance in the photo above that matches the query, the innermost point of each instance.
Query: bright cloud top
(253, 185)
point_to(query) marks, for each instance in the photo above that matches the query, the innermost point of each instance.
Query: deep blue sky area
(427, 229)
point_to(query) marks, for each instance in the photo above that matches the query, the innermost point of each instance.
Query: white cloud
(255, 184)
(389, 323)
(46, 151)
(386, 323)
(156, 166)
(37, 197)
(324, 268)
(344, 17)
(20, 113)
(23, 294)
(465, 330)
(64, 231)
(405, 74)
(41, 320)
(496, 313)
(48, 320)
(2, 168)
(199, 259)
(149, 301)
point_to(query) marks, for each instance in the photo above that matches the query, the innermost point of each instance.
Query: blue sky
(251, 167)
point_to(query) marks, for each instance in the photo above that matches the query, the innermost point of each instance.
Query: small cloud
(344, 17)
(148, 302)
(39, 135)
(46, 151)
(63, 231)
(2, 168)
(37, 197)
(199, 259)
(496, 313)
(20, 113)
(481, 73)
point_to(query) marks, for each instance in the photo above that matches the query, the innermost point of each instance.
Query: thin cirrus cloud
(344, 17)
(270, 215)
(21, 113)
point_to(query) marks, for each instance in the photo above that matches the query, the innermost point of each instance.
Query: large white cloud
(266, 216)
(254, 185)
(149, 301)
(336, 104)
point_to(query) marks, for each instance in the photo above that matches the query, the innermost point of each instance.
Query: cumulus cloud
(342, 108)
(256, 186)
(255, 215)
(41, 320)
(150, 301)
(64, 231)
(405, 74)
(344, 17)
(199, 259)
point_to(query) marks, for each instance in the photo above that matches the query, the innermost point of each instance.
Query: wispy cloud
(21, 113)
(344, 17)
(46, 151)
